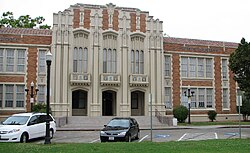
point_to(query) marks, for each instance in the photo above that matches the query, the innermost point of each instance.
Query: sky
(219, 20)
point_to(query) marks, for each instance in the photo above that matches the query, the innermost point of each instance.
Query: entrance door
(79, 103)
(137, 103)
(108, 103)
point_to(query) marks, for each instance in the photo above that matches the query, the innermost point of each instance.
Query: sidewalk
(163, 127)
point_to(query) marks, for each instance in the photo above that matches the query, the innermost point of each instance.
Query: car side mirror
(105, 125)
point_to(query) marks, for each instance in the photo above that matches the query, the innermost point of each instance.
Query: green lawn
(208, 146)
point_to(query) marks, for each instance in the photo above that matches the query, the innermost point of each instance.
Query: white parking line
(94, 141)
(216, 136)
(182, 137)
(143, 138)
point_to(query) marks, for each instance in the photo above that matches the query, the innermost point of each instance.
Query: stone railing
(138, 80)
(110, 80)
(80, 79)
(164, 119)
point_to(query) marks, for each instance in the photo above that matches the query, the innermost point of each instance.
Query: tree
(24, 21)
(239, 63)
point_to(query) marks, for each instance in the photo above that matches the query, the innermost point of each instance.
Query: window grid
(168, 99)
(80, 60)
(20, 60)
(9, 96)
(194, 67)
(42, 61)
(224, 69)
(10, 60)
(1, 59)
(167, 69)
(137, 62)
(41, 94)
(109, 60)
(202, 98)
(225, 98)
(20, 96)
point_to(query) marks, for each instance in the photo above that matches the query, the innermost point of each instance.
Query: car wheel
(24, 138)
(51, 133)
(138, 135)
(102, 140)
(128, 138)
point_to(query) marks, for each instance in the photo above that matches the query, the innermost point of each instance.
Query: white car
(25, 126)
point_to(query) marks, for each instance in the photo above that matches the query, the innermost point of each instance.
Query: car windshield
(119, 123)
(16, 120)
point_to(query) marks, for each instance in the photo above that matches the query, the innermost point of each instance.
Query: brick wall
(87, 19)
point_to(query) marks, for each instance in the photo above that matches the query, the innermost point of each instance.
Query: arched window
(104, 60)
(133, 61)
(141, 62)
(80, 57)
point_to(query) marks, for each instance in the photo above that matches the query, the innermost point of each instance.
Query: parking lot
(157, 136)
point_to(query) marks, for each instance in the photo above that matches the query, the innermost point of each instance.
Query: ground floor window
(12, 96)
(202, 98)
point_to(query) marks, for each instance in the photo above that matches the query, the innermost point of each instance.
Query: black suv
(120, 129)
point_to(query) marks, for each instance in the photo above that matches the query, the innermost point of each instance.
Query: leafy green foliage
(181, 113)
(239, 63)
(212, 115)
(245, 108)
(40, 107)
(24, 21)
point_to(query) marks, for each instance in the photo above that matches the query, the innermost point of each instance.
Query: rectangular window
(1, 60)
(225, 98)
(224, 69)
(201, 67)
(42, 61)
(9, 96)
(184, 67)
(209, 68)
(168, 101)
(41, 94)
(20, 60)
(209, 98)
(20, 96)
(10, 60)
(133, 61)
(1, 95)
(192, 67)
(85, 60)
(114, 61)
(193, 98)
(167, 69)
(80, 62)
(141, 62)
(75, 60)
(201, 98)
(137, 62)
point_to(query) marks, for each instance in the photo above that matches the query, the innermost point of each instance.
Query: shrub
(40, 107)
(181, 113)
(212, 115)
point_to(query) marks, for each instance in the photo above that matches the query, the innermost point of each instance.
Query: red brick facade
(32, 40)
(192, 48)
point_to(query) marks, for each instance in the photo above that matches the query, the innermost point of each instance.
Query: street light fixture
(48, 61)
(189, 94)
(31, 95)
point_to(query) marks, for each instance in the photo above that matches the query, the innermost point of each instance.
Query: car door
(42, 125)
(32, 127)
(132, 128)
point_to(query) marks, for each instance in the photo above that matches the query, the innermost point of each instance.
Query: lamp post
(31, 94)
(48, 61)
(189, 94)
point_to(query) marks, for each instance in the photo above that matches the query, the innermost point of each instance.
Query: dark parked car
(120, 129)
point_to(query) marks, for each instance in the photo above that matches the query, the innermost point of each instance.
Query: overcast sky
(222, 20)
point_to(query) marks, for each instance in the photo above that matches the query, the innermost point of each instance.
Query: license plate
(111, 138)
